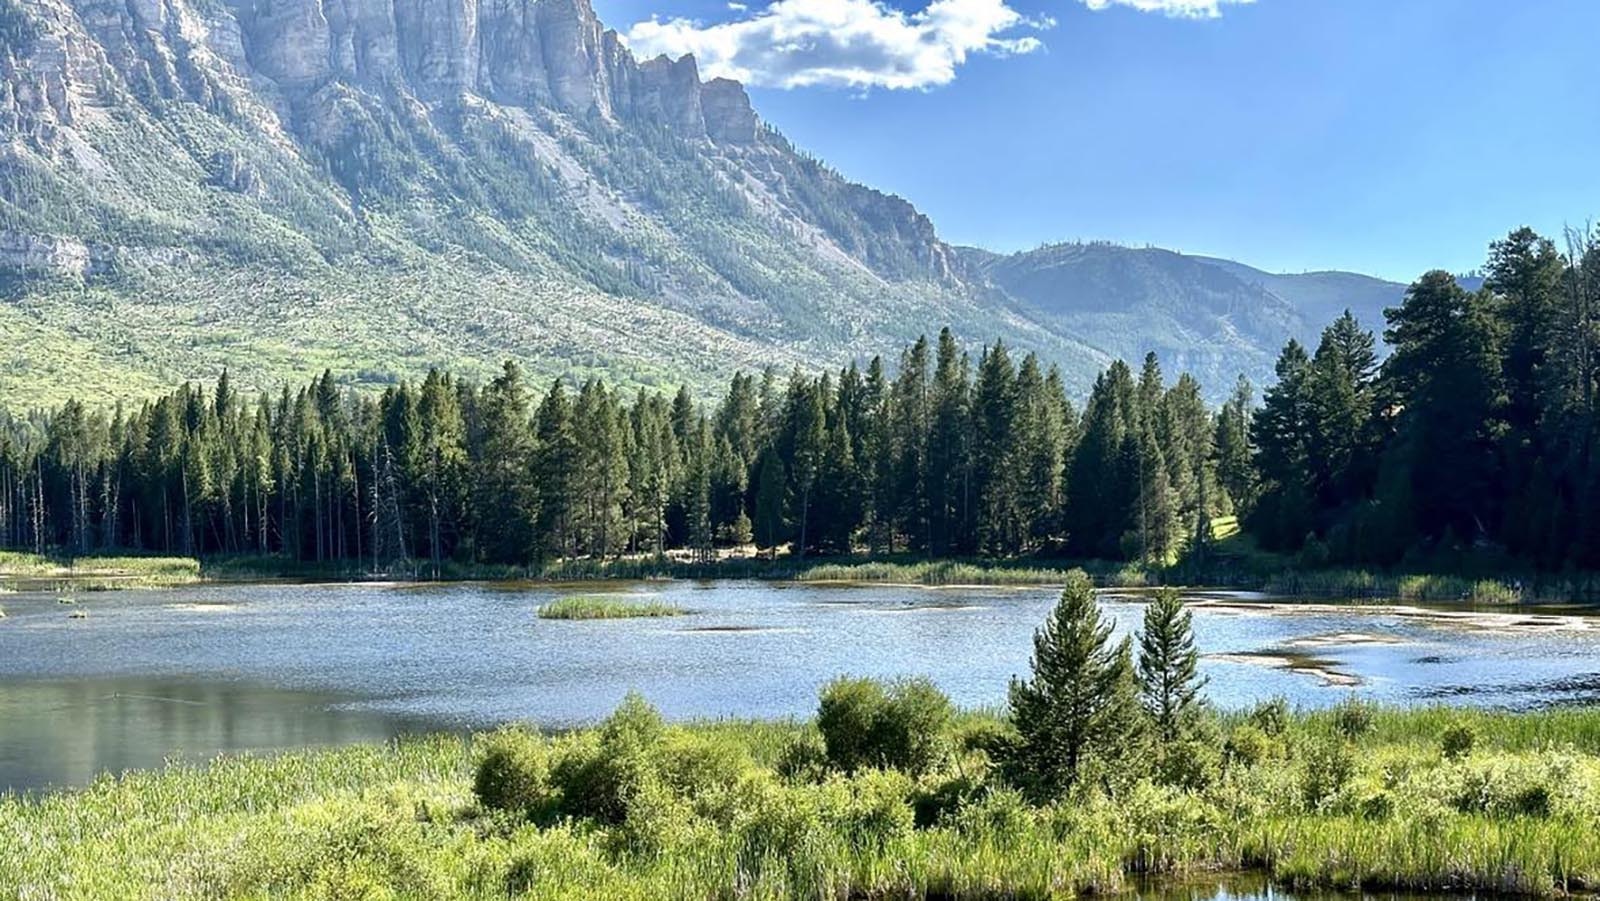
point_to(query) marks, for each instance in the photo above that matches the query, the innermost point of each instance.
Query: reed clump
(604, 607)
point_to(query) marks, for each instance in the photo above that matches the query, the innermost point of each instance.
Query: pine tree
(1235, 463)
(1444, 377)
(1103, 486)
(1169, 666)
(1282, 434)
(1072, 710)
(555, 467)
(770, 529)
(948, 471)
(995, 454)
(506, 494)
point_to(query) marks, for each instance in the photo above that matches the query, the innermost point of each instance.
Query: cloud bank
(844, 43)
(865, 44)
(1180, 9)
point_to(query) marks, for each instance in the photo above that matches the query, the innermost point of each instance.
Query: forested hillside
(1477, 432)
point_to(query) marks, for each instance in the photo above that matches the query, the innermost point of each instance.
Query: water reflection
(1254, 887)
(67, 732)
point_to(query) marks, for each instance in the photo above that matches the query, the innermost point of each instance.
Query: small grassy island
(1105, 767)
(604, 607)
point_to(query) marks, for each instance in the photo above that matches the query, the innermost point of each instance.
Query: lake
(120, 680)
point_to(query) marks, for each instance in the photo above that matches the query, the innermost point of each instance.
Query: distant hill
(1215, 318)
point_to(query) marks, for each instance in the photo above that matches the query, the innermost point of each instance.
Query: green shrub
(1511, 787)
(703, 771)
(1271, 717)
(871, 809)
(1191, 765)
(513, 774)
(1352, 717)
(1000, 815)
(991, 737)
(1378, 805)
(598, 777)
(804, 759)
(778, 828)
(1248, 745)
(938, 801)
(1458, 741)
(864, 724)
(1329, 766)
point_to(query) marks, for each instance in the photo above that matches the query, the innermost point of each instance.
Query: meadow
(1426, 800)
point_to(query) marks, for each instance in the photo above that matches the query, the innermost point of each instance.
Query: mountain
(379, 186)
(1214, 318)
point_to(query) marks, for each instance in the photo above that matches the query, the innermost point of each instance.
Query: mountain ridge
(381, 186)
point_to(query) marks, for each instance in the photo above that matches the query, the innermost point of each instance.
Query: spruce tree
(1074, 709)
(1168, 668)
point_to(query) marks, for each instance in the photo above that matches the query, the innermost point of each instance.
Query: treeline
(1477, 431)
(1476, 434)
(949, 456)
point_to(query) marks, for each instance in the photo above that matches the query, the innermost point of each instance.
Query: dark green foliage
(1271, 717)
(1352, 718)
(1458, 741)
(513, 774)
(1080, 706)
(601, 779)
(867, 724)
(1329, 766)
(1169, 666)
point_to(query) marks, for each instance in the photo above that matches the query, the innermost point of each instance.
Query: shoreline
(1216, 586)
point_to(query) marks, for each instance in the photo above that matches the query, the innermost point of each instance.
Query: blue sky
(1383, 136)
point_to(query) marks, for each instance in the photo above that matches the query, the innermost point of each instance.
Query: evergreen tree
(1444, 378)
(1074, 709)
(1168, 666)
(1235, 463)
(1282, 434)
(948, 473)
(995, 455)
(555, 472)
(503, 463)
(770, 528)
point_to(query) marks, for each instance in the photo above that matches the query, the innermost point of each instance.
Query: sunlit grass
(734, 812)
(602, 607)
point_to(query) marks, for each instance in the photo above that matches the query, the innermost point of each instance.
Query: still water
(129, 679)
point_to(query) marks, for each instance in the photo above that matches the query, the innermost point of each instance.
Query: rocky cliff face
(501, 170)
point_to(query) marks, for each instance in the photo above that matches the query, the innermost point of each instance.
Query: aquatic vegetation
(96, 573)
(937, 572)
(603, 607)
(635, 808)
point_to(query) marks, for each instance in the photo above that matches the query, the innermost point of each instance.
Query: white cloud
(844, 43)
(1181, 9)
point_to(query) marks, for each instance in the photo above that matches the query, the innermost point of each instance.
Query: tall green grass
(1355, 799)
(600, 607)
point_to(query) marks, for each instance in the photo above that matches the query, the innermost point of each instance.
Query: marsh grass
(604, 607)
(635, 809)
(96, 573)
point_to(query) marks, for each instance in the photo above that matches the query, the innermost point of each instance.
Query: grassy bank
(1426, 800)
(600, 607)
(91, 573)
(1479, 585)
